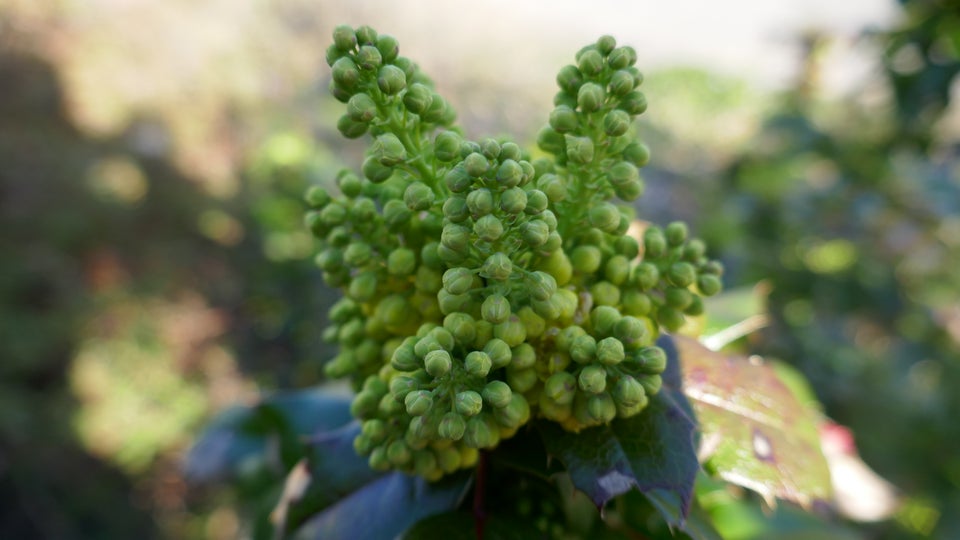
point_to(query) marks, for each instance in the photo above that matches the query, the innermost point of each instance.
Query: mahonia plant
(482, 287)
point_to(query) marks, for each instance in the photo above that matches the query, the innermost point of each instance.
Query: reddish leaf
(755, 432)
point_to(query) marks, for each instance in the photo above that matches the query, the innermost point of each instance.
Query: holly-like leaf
(653, 451)
(754, 431)
(386, 507)
(243, 440)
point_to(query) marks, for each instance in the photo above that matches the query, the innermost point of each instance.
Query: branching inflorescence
(483, 288)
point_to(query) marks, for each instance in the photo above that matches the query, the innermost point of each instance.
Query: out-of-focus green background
(153, 267)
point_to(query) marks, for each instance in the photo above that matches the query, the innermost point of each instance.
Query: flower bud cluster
(483, 289)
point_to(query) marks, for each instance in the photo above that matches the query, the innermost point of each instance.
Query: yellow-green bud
(678, 298)
(391, 80)
(637, 153)
(670, 318)
(344, 38)
(513, 200)
(488, 228)
(535, 232)
(601, 408)
(579, 149)
(345, 73)
(563, 119)
(551, 141)
(616, 123)
(458, 280)
(605, 217)
(388, 150)
(681, 274)
(366, 35)
(633, 103)
(446, 145)
(622, 57)
(480, 202)
(709, 284)
(418, 402)
(605, 293)
(478, 363)
(499, 352)
(676, 233)
(437, 363)
(495, 309)
(553, 187)
(540, 285)
(401, 262)
(586, 259)
(534, 323)
(398, 453)
(369, 58)
(522, 380)
(455, 238)
(603, 319)
(476, 164)
(479, 433)
(468, 403)
(561, 387)
(514, 414)
(590, 97)
(452, 426)
(583, 349)
(388, 47)
(569, 78)
(350, 128)
(628, 393)
(509, 173)
(590, 62)
(400, 386)
(621, 83)
(593, 379)
(536, 202)
(651, 384)
(610, 351)
(511, 331)
(654, 242)
(497, 266)
(652, 360)
(497, 394)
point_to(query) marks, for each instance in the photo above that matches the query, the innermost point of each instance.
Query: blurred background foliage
(154, 270)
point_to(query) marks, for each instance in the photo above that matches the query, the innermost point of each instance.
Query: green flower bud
(497, 394)
(652, 360)
(629, 192)
(590, 98)
(361, 108)
(443, 337)
(446, 145)
(621, 83)
(476, 164)
(388, 150)
(351, 333)
(350, 185)
(417, 99)
(676, 233)
(428, 280)
(709, 284)
(396, 214)
(514, 414)
(605, 217)
(458, 280)
(540, 285)
(363, 287)
(535, 202)
(534, 323)
(678, 298)
(563, 119)
(610, 351)
(564, 339)
(452, 426)
(670, 318)
(426, 345)
(623, 173)
(317, 197)
(603, 319)
(633, 103)
(418, 402)
(333, 54)
(654, 243)
(617, 269)
(695, 308)
(357, 254)
(583, 349)
(478, 363)
(601, 408)
(329, 260)
(637, 153)
(461, 326)
(616, 123)
(681, 274)
(488, 228)
(622, 57)
(450, 256)
(375, 171)
(345, 73)
(499, 352)
(495, 309)
(374, 429)
(398, 453)
(550, 141)
(646, 276)
(350, 128)
(437, 363)
(455, 237)
(378, 459)
(695, 251)
(522, 380)
(593, 379)
(439, 112)
(468, 403)
(631, 332)
(457, 179)
(561, 387)
(511, 331)
(401, 262)
(344, 38)
(479, 434)
(550, 219)
(651, 384)
(606, 44)
(364, 404)
(497, 266)
(338, 236)
(364, 210)
(480, 202)
(586, 259)
(605, 293)
(366, 35)
(591, 63)
(391, 80)
(401, 386)
(628, 393)
(418, 196)
(388, 47)
(553, 187)
(452, 303)
(579, 149)
(514, 200)
(549, 309)
(369, 57)
(569, 79)
(535, 232)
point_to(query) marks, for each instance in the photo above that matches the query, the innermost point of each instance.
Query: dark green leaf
(386, 507)
(653, 451)
(462, 526)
